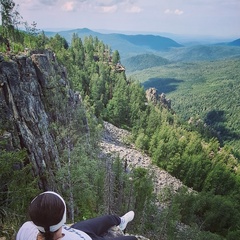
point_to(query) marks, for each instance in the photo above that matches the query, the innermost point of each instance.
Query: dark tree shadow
(163, 85)
(217, 120)
(215, 117)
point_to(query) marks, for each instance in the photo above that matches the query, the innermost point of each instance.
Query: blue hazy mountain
(235, 43)
(127, 45)
(130, 45)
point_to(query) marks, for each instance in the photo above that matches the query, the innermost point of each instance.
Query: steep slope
(113, 143)
(30, 90)
(35, 99)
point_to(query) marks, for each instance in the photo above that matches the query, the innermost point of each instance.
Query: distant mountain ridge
(127, 45)
(235, 43)
(202, 53)
(157, 43)
(139, 44)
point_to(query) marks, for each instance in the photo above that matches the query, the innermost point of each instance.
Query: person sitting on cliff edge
(48, 214)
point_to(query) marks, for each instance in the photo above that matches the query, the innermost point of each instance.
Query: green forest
(200, 158)
(205, 90)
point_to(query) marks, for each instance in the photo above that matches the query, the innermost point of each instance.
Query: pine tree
(115, 57)
(10, 18)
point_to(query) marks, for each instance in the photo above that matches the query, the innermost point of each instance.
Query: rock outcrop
(116, 232)
(153, 96)
(27, 88)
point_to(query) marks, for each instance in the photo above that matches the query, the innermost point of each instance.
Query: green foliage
(203, 90)
(214, 213)
(16, 178)
(81, 174)
(192, 153)
(132, 190)
(144, 61)
(143, 190)
(179, 148)
(117, 107)
(10, 19)
(168, 222)
(85, 180)
(118, 187)
(211, 52)
(142, 141)
(57, 43)
(198, 164)
(115, 57)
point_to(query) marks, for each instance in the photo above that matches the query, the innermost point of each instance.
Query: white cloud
(69, 6)
(104, 6)
(167, 11)
(112, 6)
(109, 9)
(134, 9)
(176, 11)
(220, 17)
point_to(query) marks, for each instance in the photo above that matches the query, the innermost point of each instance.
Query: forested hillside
(201, 53)
(205, 90)
(143, 61)
(92, 185)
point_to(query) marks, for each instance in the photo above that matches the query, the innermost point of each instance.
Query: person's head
(48, 212)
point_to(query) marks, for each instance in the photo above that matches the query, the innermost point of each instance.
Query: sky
(220, 18)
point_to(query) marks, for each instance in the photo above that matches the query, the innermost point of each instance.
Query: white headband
(60, 224)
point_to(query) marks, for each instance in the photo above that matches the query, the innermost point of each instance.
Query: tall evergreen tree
(118, 106)
(10, 17)
(115, 57)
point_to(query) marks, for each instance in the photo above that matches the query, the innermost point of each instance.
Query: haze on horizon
(219, 18)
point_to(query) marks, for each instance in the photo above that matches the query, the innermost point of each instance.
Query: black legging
(96, 228)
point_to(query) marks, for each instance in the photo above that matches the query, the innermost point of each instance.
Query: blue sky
(219, 18)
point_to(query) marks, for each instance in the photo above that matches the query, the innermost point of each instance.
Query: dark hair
(45, 211)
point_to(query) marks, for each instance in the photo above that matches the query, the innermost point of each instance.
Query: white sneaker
(125, 219)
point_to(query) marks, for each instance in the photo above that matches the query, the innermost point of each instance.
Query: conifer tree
(10, 17)
(115, 57)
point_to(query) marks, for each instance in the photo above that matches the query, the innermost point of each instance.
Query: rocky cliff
(25, 117)
(32, 86)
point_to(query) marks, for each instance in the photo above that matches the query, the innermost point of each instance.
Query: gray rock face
(153, 96)
(115, 232)
(25, 83)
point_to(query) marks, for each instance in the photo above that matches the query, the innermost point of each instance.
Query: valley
(202, 83)
(208, 90)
